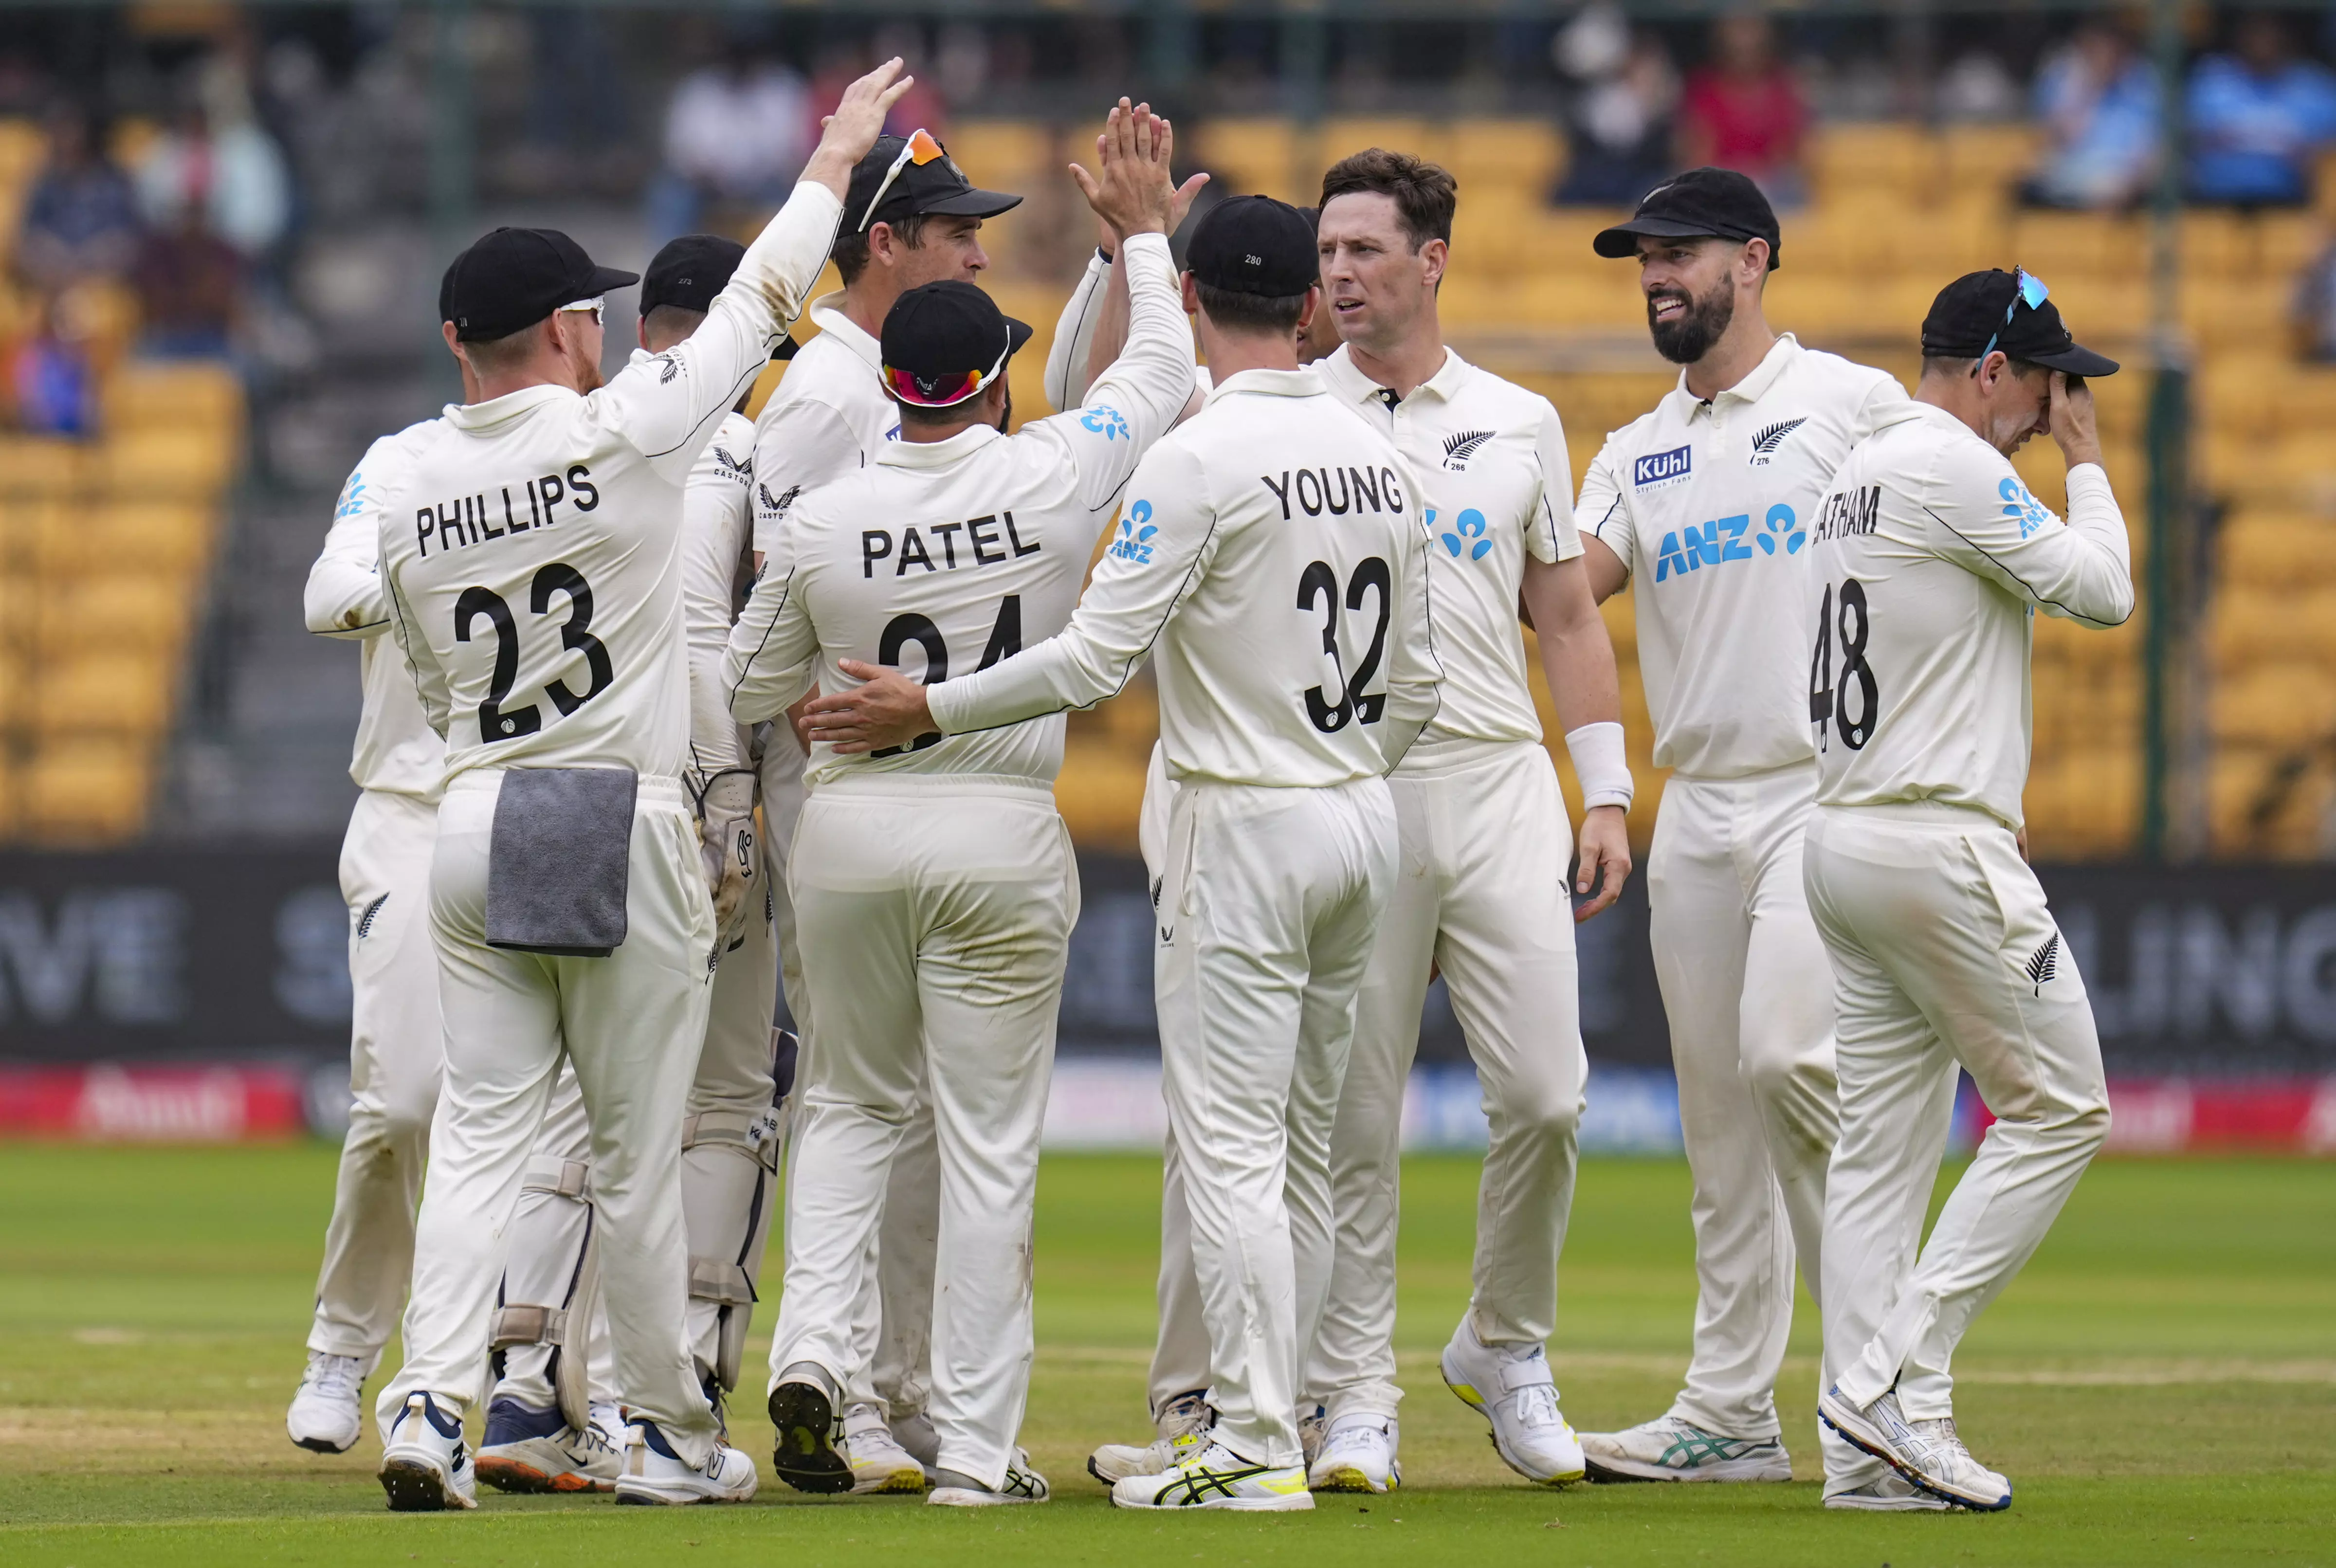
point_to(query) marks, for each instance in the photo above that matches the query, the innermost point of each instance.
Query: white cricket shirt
(717, 529)
(1708, 506)
(533, 548)
(1271, 547)
(829, 416)
(397, 751)
(943, 558)
(1493, 457)
(1929, 560)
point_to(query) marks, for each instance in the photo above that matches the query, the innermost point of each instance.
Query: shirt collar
(937, 454)
(1339, 371)
(1752, 388)
(1303, 382)
(827, 315)
(510, 405)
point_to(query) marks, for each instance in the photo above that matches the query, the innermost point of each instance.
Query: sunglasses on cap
(597, 306)
(2027, 289)
(922, 149)
(951, 391)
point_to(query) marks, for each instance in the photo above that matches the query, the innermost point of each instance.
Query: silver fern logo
(2045, 962)
(1768, 439)
(1459, 447)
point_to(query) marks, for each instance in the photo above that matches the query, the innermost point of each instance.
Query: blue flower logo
(1135, 531)
(2018, 503)
(1469, 525)
(1105, 421)
(1782, 525)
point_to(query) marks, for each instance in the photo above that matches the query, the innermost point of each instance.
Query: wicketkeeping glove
(732, 855)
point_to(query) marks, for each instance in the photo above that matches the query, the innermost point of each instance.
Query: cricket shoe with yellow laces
(880, 1463)
(1183, 1425)
(1358, 1455)
(1217, 1477)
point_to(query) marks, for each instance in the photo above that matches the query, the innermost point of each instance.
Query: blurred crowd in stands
(186, 182)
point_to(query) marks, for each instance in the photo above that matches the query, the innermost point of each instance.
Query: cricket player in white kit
(1481, 888)
(1706, 502)
(539, 1437)
(568, 899)
(911, 217)
(1931, 560)
(935, 880)
(1270, 551)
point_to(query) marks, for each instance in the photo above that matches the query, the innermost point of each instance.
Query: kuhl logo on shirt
(1662, 467)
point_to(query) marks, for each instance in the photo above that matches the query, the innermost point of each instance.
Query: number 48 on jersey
(1829, 698)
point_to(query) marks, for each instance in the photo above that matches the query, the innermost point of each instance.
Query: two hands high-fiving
(1134, 193)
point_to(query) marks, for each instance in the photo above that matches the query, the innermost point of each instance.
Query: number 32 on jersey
(1843, 615)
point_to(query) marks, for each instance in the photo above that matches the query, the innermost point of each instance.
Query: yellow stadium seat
(10, 804)
(146, 612)
(84, 791)
(175, 394)
(1991, 157)
(2265, 802)
(2273, 704)
(1255, 156)
(22, 146)
(1890, 160)
(35, 465)
(1011, 154)
(111, 691)
(172, 536)
(15, 686)
(1340, 137)
(1518, 152)
(1100, 793)
(193, 464)
(2277, 550)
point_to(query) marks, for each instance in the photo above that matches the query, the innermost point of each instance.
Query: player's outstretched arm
(1120, 617)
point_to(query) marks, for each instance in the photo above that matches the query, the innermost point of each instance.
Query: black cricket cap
(936, 185)
(514, 278)
(941, 341)
(1716, 203)
(1255, 244)
(689, 272)
(1982, 311)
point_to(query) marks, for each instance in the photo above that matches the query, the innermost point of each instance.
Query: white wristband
(1599, 763)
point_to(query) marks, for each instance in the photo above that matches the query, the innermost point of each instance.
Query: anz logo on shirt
(1105, 421)
(2018, 503)
(1136, 530)
(1722, 540)
(1467, 536)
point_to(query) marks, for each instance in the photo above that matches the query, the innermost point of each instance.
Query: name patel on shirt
(1311, 487)
(987, 545)
(473, 519)
(1849, 512)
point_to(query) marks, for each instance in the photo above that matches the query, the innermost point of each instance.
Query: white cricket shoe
(1358, 1455)
(915, 1433)
(607, 1418)
(324, 1416)
(879, 1464)
(1511, 1386)
(955, 1489)
(654, 1474)
(1927, 1453)
(803, 1409)
(1184, 1423)
(534, 1451)
(1217, 1477)
(425, 1466)
(1668, 1448)
(1892, 1494)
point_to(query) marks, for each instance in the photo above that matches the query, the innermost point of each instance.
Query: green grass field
(2160, 1384)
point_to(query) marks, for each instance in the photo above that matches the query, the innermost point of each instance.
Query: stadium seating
(104, 548)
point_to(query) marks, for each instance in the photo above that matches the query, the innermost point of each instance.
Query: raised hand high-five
(849, 132)
(1135, 193)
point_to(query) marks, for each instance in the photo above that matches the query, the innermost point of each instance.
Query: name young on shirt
(1850, 511)
(987, 545)
(1336, 491)
(475, 519)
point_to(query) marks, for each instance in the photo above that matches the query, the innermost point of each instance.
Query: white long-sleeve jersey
(717, 530)
(1930, 559)
(829, 416)
(1272, 548)
(1708, 506)
(1492, 456)
(944, 557)
(532, 549)
(397, 751)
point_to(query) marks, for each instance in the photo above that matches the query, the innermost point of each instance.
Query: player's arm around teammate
(547, 640)
(935, 882)
(1483, 885)
(1931, 562)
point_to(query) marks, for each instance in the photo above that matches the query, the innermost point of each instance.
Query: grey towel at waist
(558, 864)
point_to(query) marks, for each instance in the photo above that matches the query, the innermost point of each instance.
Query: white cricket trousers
(1480, 889)
(1265, 926)
(1749, 996)
(631, 1025)
(1945, 954)
(891, 1322)
(396, 1056)
(935, 918)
